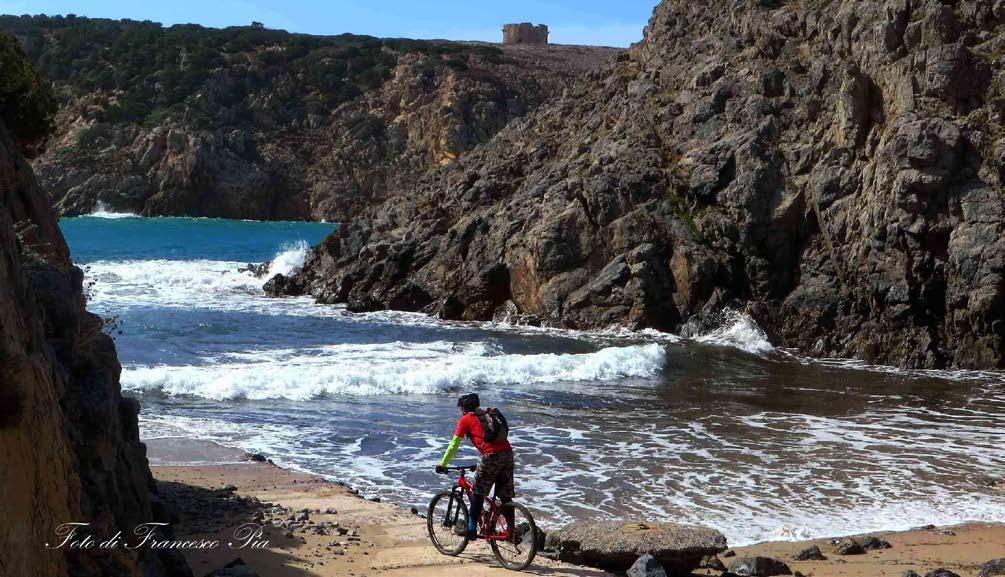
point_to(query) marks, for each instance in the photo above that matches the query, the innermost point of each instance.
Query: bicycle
(509, 528)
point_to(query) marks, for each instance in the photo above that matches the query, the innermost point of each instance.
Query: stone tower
(525, 33)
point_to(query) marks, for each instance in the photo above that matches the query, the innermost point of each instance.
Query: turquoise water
(722, 430)
(125, 238)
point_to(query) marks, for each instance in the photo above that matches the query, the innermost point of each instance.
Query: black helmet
(469, 402)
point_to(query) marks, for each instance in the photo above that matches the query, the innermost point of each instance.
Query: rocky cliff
(248, 122)
(834, 168)
(69, 443)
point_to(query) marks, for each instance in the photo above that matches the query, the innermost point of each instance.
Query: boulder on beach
(616, 545)
(992, 568)
(758, 567)
(712, 562)
(874, 543)
(848, 546)
(909, 573)
(941, 572)
(647, 566)
(811, 553)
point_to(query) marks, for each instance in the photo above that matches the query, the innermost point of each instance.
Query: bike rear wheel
(446, 512)
(518, 550)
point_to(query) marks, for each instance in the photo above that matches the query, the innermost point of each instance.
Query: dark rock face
(832, 168)
(941, 572)
(69, 441)
(758, 567)
(616, 545)
(811, 553)
(993, 567)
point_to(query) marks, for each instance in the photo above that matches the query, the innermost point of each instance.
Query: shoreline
(213, 500)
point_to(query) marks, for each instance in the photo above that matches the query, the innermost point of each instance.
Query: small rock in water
(758, 567)
(375, 499)
(848, 546)
(647, 566)
(992, 568)
(811, 553)
(256, 457)
(874, 543)
(414, 511)
(941, 572)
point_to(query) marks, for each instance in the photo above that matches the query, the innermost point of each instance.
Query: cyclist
(496, 466)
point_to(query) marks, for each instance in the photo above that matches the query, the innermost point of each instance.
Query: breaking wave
(102, 211)
(389, 369)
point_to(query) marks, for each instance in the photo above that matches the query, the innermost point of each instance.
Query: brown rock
(617, 545)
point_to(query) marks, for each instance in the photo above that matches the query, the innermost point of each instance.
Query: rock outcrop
(834, 169)
(69, 442)
(254, 123)
(618, 545)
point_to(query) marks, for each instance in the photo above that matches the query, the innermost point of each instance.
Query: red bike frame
(492, 513)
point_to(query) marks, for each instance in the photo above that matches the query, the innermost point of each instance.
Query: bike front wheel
(446, 517)
(517, 550)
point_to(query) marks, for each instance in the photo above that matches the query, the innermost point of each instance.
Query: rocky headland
(248, 122)
(833, 169)
(69, 442)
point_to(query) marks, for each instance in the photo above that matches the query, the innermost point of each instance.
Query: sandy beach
(387, 540)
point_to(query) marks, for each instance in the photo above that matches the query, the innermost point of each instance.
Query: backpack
(494, 425)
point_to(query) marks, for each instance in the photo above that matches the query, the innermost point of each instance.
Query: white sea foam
(739, 331)
(101, 211)
(193, 284)
(290, 259)
(770, 487)
(399, 368)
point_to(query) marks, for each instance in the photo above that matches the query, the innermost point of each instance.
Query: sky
(597, 22)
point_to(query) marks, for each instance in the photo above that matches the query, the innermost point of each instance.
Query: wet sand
(386, 540)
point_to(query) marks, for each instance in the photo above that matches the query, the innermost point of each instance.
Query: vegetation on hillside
(26, 103)
(147, 73)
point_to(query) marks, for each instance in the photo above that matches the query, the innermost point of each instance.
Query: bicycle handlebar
(471, 468)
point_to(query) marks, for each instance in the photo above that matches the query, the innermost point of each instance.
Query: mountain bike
(508, 528)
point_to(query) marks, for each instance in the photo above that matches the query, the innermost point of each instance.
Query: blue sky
(601, 22)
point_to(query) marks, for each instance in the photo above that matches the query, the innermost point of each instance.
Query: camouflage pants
(495, 469)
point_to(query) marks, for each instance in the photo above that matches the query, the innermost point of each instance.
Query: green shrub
(26, 102)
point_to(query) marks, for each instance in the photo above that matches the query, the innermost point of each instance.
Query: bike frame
(462, 487)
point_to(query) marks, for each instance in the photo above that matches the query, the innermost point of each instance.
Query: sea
(724, 429)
